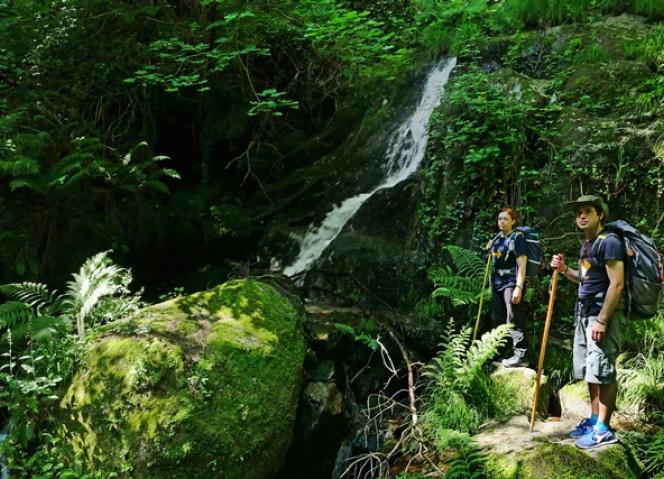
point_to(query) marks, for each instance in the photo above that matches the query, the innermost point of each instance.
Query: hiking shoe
(583, 428)
(595, 439)
(516, 361)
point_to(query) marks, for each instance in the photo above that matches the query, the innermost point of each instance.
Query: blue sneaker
(583, 428)
(596, 439)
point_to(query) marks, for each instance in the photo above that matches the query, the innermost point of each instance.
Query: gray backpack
(644, 273)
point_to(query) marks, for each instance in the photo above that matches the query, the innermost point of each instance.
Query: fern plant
(457, 366)
(468, 463)
(460, 392)
(33, 311)
(463, 283)
(98, 278)
(98, 292)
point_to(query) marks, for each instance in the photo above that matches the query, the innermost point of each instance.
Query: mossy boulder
(574, 399)
(563, 461)
(518, 384)
(197, 387)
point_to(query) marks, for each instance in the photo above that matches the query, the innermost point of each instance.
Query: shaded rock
(199, 386)
(340, 371)
(370, 259)
(321, 398)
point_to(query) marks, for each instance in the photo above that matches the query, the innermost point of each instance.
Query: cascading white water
(404, 154)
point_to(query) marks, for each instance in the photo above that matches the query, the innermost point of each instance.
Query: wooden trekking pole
(545, 338)
(479, 311)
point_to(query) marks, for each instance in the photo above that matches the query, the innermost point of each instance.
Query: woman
(508, 278)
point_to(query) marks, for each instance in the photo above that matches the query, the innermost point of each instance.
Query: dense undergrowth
(159, 129)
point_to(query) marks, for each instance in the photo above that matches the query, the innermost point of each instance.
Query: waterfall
(405, 152)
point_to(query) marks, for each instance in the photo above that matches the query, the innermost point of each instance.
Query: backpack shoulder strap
(512, 238)
(597, 244)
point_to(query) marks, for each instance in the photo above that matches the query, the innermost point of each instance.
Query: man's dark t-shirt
(594, 278)
(505, 251)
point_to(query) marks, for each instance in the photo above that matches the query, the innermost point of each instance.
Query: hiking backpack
(644, 273)
(533, 248)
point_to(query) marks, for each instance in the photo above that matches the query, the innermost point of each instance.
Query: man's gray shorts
(595, 362)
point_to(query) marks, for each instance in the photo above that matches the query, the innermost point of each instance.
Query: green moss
(617, 459)
(562, 461)
(576, 389)
(205, 385)
(513, 391)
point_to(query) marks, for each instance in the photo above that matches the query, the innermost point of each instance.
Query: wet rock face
(201, 386)
(371, 262)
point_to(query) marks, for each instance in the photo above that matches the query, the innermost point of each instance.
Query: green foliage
(98, 293)
(649, 448)
(43, 462)
(228, 89)
(643, 335)
(654, 454)
(463, 285)
(459, 395)
(50, 178)
(491, 126)
(349, 44)
(534, 13)
(454, 27)
(653, 9)
(361, 337)
(36, 324)
(29, 380)
(642, 383)
(649, 50)
(468, 463)
(270, 101)
(33, 312)
(353, 39)
(557, 364)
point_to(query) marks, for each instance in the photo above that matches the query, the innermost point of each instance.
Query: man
(600, 319)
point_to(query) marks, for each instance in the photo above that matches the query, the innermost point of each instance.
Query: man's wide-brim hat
(596, 201)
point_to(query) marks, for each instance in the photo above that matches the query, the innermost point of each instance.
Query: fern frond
(466, 262)
(45, 326)
(463, 286)
(460, 289)
(13, 313)
(481, 351)
(467, 464)
(97, 278)
(443, 367)
(35, 295)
